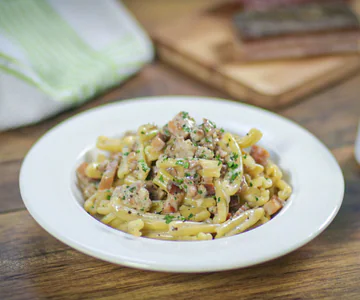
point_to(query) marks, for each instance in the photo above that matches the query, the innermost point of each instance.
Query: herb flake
(168, 219)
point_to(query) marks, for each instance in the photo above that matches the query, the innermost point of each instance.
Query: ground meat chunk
(203, 152)
(181, 125)
(155, 192)
(134, 196)
(209, 127)
(259, 154)
(180, 148)
(197, 134)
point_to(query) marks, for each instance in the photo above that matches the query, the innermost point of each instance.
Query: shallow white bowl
(47, 187)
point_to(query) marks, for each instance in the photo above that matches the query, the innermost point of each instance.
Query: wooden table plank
(34, 265)
(43, 267)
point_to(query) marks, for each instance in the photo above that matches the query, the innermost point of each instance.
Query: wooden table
(34, 265)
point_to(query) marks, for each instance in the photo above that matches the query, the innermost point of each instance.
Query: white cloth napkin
(57, 54)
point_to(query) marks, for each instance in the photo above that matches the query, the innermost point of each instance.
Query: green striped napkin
(57, 54)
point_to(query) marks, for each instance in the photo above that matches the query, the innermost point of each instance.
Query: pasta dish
(182, 181)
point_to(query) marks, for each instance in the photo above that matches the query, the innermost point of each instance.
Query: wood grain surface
(34, 265)
(202, 43)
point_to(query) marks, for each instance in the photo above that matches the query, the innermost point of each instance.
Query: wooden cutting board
(191, 44)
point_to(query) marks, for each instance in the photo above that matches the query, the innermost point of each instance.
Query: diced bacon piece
(273, 205)
(173, 188)
(242, 209)
(172, 203)
(210, 189)
(108, 177)
(157, 143)
(81, 169)
(259, 154)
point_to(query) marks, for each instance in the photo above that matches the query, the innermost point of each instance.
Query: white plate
(47, 187)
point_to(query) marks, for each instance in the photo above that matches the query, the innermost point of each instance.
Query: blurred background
(57, 55)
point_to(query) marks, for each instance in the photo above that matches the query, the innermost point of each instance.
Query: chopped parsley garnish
(185, 114)
(165, 158)
(244, 156)
(232, 165)
(186, 128)
(222, 130)
(251, 184)
(168, 219)
(233, 176)
(190, 216)
(200, 192)
(183, 163)
(212, 123)
(179, 163)
(196, 175)
(123, 197)
(166, 131)
(108, 197)
(256, 198)
(144, 167)
(207, 140)
(142, 209)
(206, 129)
(132, 189)
(142, 132)
(161, 178)
(235, 156)
(218, 199)
(137, 151)
(218, 158)
(178, 181)
(187, 174)
(126, 153)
